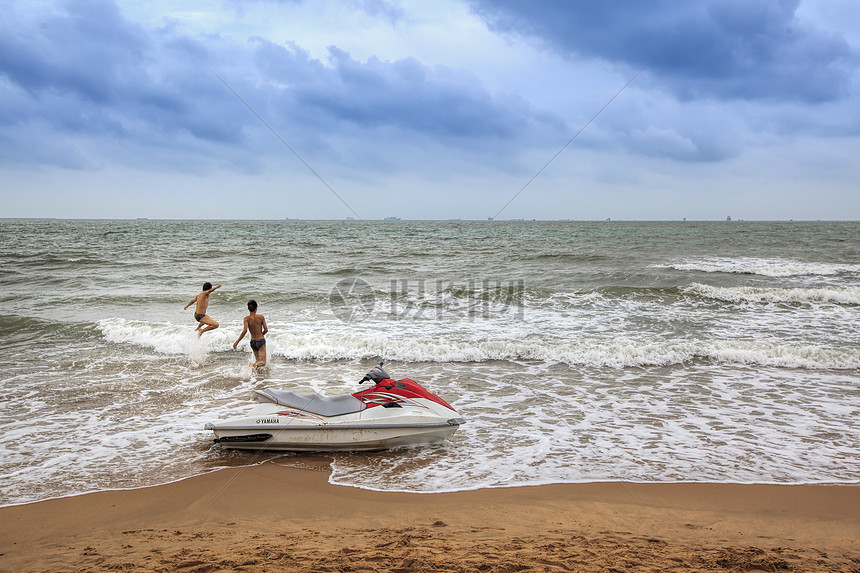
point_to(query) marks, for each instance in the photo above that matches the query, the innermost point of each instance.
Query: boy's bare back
(255, 324)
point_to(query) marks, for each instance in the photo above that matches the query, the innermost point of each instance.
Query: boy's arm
(244, 330)
(212, 289)
(265, 328)
(193, 300)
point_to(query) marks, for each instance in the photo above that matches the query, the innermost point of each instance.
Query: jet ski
(390, 414)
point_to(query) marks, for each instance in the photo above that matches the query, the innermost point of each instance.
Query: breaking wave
(797, 295)
(764, 267)
(338, 342)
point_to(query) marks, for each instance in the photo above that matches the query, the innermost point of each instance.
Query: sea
(576, 351)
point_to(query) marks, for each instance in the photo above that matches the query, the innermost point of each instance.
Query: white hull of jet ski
(391, 414)
(264, 428)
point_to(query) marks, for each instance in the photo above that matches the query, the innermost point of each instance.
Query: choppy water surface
(723, 352)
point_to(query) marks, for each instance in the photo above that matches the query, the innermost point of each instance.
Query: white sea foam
(796, 295)
(664, 420)
(478, 343)
(697, 425)
(550, 423)
(126, 438)
(163, 337)
(618, 352)
(765, 267)
(413, 342)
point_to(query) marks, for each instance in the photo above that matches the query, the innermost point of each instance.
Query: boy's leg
(209, 322)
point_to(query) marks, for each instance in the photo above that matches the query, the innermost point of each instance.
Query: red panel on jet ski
(404, 387)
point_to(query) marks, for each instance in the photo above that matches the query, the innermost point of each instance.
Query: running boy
(256, 323)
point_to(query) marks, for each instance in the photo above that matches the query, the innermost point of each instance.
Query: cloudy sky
(430, 110)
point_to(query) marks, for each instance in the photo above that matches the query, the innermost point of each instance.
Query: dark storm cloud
(86, 70)
(404, 94)
(750, 49)
(82, 51)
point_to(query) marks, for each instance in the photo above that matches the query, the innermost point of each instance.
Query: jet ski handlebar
(376, 374)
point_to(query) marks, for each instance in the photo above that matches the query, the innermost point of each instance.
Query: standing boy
(200, 315)
(256, 323)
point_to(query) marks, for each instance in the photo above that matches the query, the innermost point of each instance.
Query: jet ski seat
(313, 402)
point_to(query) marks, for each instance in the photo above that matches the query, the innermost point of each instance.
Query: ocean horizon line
(430, 220)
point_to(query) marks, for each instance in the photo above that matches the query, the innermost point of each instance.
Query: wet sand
(277, 518)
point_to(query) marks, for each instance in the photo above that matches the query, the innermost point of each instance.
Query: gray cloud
(752, 49)
(405, 95)
(85, 52)
(86, 70)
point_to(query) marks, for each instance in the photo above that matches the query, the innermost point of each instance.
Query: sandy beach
(277, 518)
